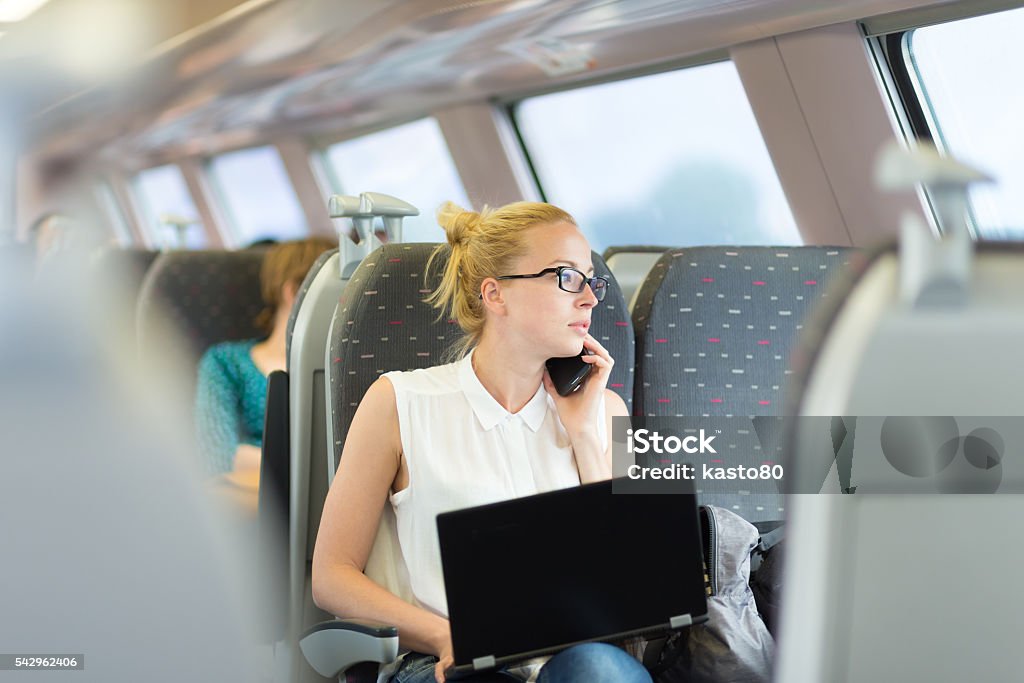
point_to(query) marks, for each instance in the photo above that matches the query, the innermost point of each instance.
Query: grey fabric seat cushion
(206, 296)
(715, 330)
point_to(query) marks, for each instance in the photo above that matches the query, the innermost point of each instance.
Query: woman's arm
(580, 414)
(369, 463)
(614, 406)
(593, 462)
(218, 422)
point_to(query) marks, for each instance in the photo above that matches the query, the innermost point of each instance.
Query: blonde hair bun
(458, 223)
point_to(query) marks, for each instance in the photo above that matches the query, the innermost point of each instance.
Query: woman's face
(551, 320)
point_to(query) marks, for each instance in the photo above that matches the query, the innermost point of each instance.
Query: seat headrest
(131, 264)
(716, 326)
(880, 362)
(207, 296)
(609, 252)
(631, 265)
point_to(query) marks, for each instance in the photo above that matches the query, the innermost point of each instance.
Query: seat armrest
(275, 462)
(272, 508)
(333, 646)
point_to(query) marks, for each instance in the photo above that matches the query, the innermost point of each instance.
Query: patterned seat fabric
(207, 296)
(383, 324)
(715, 329)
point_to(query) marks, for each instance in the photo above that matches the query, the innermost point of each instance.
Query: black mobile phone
(568, 373)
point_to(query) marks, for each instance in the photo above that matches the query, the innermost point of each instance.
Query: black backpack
(735, 644)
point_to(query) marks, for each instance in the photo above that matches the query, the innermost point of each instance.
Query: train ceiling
(268, 67)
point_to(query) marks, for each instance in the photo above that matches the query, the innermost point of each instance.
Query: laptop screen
(539, 573)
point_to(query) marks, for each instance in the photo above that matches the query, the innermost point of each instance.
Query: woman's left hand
(580, 411)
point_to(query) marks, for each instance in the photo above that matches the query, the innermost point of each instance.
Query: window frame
(327, 176)
(318, 144)
(150, 234)
(228, 224)
(114, 212)
(907, 90)
(509, 104)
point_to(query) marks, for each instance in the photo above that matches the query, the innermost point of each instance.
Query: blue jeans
(587, 663)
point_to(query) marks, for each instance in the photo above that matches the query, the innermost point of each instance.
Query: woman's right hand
(445, 659)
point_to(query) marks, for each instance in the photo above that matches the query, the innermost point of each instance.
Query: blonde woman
(519, 282)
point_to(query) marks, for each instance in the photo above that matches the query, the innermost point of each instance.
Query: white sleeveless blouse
(462, 448)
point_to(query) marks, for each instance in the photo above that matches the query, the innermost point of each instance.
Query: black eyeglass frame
(587, 281)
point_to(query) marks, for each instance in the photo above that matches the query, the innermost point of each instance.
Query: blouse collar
(488, 411)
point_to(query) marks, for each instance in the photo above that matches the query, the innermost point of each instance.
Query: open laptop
(534, 575)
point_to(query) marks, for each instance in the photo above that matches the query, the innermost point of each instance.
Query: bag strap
(770, 534)
(663, 653)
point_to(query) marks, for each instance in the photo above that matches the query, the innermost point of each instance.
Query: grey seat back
(337, 268)
(190, 300)
(715, 327)
(123, 271)
(307, 343)
(882, 572)
(130, 265)
(88, 458)
(382, 324)
(17, 259)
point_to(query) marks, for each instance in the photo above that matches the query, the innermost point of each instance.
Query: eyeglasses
(569, 280)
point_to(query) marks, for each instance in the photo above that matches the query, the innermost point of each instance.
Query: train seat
(17, 258)
(123, 272)
(275, 461)
(888, 360)
(130, 265)
(714, 330)
(328, 262)
(145, 567)
(295, 419)
(294, 469)
(192, 300)
(630, 265)
(382, 303)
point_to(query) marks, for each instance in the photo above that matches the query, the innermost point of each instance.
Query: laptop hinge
(680, 621)
(484, 662)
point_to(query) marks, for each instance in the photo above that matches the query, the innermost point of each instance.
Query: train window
(411, 162)
(112, 212)
(670, 159)
(170, 218)
(975, 114)
(260, 202)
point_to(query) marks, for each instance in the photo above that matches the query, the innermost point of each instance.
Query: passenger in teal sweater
(230, 401)
(231, 393)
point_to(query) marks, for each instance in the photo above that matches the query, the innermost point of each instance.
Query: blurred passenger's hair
(40, 221)
(482, 245)
(49, 233)
(287, 262)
